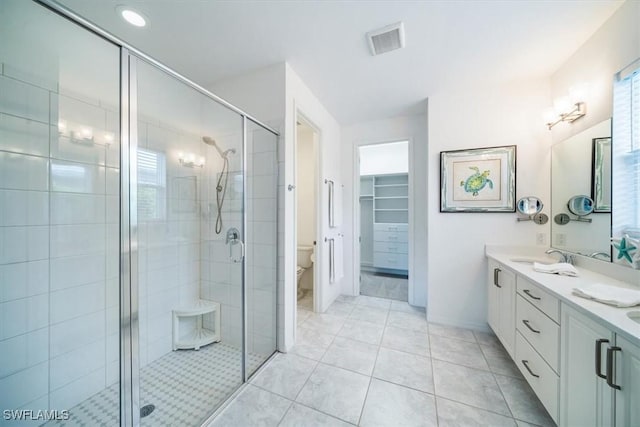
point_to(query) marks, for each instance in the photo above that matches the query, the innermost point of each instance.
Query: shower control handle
(233, 238)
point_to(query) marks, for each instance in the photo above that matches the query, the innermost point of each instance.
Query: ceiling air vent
(386, 39)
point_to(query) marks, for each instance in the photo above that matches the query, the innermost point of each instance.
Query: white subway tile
(70, 240)
(25, 136)
(23, 280)
(75, 333)
(19, 207)
(29, 69)
(24, 315)
(24, 351)
(112, 209)
(113, 181)
(77, 177)
(74, 302)
(157, 349)
(68, 272)
(24, 100)
(76, 208)
(24, 386)
(75, 149)
(75, 364)
(78, 390)
(23, 172)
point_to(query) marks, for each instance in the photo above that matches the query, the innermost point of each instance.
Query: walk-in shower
(223, 178)
(117, 289)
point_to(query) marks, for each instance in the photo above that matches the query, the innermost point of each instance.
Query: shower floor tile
(185, 386)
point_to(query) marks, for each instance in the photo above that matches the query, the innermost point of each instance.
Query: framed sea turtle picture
(478, 180)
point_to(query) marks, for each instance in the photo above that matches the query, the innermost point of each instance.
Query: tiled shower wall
(58, 245)
(168, 246)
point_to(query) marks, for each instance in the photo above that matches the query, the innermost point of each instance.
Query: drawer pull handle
(599, 356)
(528, 292)
(496, 275)
(526, 323)
(526, 365)
(610, 373)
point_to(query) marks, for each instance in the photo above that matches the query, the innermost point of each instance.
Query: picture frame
(478, 180)
(601, 175)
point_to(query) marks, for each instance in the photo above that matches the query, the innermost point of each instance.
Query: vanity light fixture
(567, 108)
(189, 160)
(84, 135)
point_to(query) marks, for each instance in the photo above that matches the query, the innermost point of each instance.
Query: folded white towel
(607, 294)
(561, 268)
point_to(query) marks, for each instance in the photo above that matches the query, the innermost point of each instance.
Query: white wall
(614, 46)
(382, 159)
(299, 98)
(505, 115)
(273, 95)
(410, 128)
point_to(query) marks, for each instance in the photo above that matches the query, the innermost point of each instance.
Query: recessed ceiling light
(133, 17)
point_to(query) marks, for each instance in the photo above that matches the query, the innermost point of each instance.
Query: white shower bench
(200, 336)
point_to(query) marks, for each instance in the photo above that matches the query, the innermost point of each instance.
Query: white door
(628, 378)
(585, 398)
(492, 296)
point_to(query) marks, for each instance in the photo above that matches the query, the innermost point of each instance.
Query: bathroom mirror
(580, 205)
(601, 178)
(529, 205)
(572, 172)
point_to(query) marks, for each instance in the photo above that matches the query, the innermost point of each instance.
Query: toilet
(305, 260)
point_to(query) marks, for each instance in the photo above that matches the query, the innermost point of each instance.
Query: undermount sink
(532, 259)
(634, 315)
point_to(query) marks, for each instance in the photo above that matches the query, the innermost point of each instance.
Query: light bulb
(578, 93)
(86, 133)
(549, 115)
(202, 161)
(562, 105)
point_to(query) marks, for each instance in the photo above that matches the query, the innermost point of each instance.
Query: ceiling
(449, 44)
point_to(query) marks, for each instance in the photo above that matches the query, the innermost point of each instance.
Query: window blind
(626, 156)
(152, 184)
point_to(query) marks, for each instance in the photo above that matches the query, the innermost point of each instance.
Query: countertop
(561, 286)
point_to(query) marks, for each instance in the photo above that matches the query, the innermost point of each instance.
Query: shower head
(212, 142)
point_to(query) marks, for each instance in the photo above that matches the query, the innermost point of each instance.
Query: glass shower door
(59, 234)
(189, 249)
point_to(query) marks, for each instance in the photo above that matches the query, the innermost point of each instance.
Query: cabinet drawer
(539, 330)
(390, 236)
(400, 248)
(544, 382)
(544, 301)
(387, 260)
(390, 227)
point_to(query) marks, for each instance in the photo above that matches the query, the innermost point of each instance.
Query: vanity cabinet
(501, 302)
(600, 381)
(537, 342)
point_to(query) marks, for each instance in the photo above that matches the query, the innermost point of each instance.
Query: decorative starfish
(625, 248)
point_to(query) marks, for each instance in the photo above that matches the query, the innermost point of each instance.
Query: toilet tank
(304, 256)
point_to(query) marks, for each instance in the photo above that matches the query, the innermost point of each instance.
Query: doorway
(306, 214)
(384, 220)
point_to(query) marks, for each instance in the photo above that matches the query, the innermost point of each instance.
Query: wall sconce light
(189, 160)
(84, 135)
(567, 108)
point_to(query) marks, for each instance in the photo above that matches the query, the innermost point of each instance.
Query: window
(626, 155)
(152, 185)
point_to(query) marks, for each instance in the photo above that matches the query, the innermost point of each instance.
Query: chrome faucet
(601, 254)
(564, 256)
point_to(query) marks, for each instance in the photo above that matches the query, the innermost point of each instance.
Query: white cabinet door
(585, 398)
(628, 378)
(502, 304)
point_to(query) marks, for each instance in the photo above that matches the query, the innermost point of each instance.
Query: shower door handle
(237, 242)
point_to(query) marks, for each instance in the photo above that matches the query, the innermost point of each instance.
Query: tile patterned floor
(377, 362)
(185, 386)
(384, 286)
